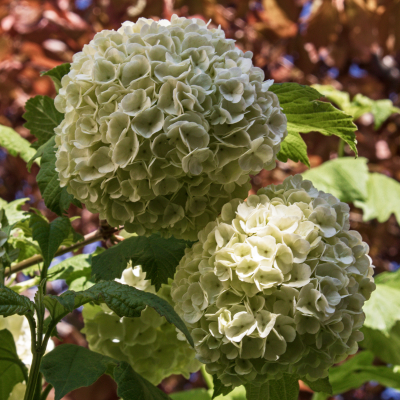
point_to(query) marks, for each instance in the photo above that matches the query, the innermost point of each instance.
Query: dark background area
(353, 45)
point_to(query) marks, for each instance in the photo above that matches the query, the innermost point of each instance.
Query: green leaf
(306, 114)
(41, 118)
(49, 235)
(13, 210)
(12, 371)
(158, 257)
(295, 148)
(382, 199)
(69, 367)
(124, 300)
(220, 388)
(389, 278)
(320, 385)
(15, 144)
(384, 346)
(132, 386)
(12, 303)
(46, 147)
(382, 310)
(358, 370)
(194, 394)
(57, 199)
(57, 73)
(345, 177)
(286, 388)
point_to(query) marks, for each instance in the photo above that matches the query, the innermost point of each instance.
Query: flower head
(275, 285)
(163, 124)
(143, 342)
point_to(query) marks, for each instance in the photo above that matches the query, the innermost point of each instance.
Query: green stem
(341, 148)
(33, 376)
(207, 377)
(46, 392)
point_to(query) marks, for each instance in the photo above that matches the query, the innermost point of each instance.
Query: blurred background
(353, 45)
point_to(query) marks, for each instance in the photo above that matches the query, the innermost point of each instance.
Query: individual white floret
(164, 122)
(276, 284)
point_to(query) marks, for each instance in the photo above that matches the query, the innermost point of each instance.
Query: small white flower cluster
(149, 343)
(275, 285)
(164, 122)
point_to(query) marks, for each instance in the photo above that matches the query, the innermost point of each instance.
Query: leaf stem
(341, 148)
(102, 233)
(207, 377)
(46, 392)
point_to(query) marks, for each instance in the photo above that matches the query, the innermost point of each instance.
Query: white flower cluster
(164, 122)
(275, 285)
(148, 343)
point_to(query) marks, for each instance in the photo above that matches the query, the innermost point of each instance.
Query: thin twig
(102, 233)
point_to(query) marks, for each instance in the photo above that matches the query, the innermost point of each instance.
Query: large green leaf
(306, 114)
(320, 385)
(15, 144)
(295, 148)
(57, 199)
(286, 388)
(380, 109)
(132, 386)
(382, 199)
(12, 371)
(57, 73)
(124, 300)
(345, 177)
(69, 367)
(12, 303)
(14, 212)
(49, 235)
(158, 257)
(41, 118)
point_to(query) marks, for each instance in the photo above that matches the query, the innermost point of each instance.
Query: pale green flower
(143, 342)
(163, 123)
(276, 284)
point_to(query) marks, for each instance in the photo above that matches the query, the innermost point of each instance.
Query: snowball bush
(148, 343)
(164, 122)
(276, 284)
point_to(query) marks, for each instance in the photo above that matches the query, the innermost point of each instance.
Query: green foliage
(41, 118)
(380, 109)
(306, 114)
(12, 370)
(13, 210)
(294, 148)
(15, 144)
(57, 199)
(286, 388)
(220, 388)
(158, 257)
(12, 303)
(349, 180)
(69, 367)
(49, 235)
(57, 73)
(320, 385)
(194, 394)
(124, 300)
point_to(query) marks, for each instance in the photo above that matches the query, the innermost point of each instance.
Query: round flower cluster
(275, 285)
(164, 122)
(148, 343)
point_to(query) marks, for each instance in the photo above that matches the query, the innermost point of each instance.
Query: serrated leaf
(295, 148)
(132, 386)
(48, 146)
(220, 388)
(320, 385)
(57, 199)
(286, 388)
(158, 257)
(41, 118)
(12, 303)
(70, 367)
(345, 177)
(124, 300)
(382, 310)
(10, 365)
(306, 114)
(13, 210)
(359, 369)
(15, 144)
(49, 235)
(57, 73)
(382, 198)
